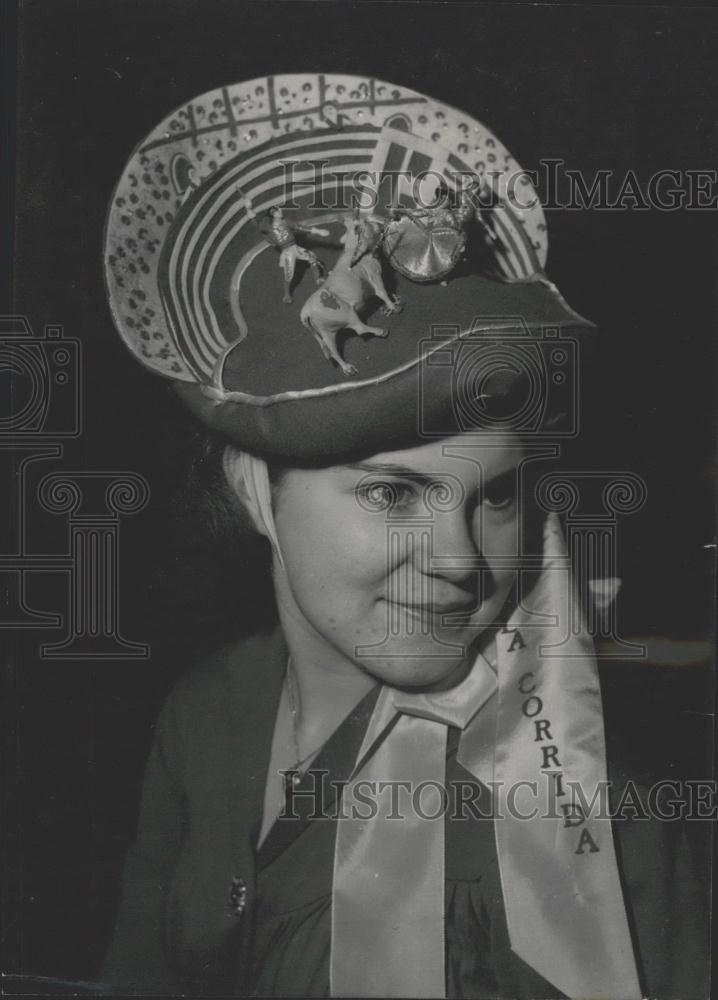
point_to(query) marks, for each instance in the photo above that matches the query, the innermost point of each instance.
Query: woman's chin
(405, 661)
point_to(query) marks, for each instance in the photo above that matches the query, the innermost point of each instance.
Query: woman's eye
(386, 495)
(500, 493)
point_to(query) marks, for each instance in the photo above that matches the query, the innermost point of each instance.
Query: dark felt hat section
(280, 355)
(467, 355)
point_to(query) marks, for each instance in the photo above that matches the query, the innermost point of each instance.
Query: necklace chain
(292, 698)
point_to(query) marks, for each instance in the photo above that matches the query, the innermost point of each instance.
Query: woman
(378, 798)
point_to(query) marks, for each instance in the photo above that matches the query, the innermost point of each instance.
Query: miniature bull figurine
(353, 281)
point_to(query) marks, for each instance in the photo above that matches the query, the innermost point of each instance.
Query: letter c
(524, 677)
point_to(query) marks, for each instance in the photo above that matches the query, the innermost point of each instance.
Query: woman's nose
(451, 552)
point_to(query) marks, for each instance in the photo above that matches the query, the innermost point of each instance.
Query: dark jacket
(201, 808)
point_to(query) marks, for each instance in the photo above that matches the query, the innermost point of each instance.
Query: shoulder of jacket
(655, 728)
(206, 688)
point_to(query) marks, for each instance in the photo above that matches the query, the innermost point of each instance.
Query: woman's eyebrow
(391, 469)
(504, 475)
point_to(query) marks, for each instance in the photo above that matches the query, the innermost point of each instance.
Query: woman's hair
(217, 567)
(209, 499)
(212, 499)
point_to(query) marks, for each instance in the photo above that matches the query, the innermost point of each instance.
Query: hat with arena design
(328, 264)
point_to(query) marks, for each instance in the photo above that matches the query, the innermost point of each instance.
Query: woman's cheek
(499, 534)
(360, 543)
(346, 564)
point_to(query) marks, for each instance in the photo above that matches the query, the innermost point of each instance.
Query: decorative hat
(328, 264)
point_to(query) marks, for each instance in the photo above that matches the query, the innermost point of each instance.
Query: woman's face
(396, 564)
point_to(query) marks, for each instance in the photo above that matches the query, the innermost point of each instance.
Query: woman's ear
(232, 465)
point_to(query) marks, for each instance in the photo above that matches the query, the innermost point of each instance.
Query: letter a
(586, 840)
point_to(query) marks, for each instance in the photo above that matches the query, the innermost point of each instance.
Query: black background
(609, 87)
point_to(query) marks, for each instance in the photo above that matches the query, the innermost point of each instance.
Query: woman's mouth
(462, 609)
